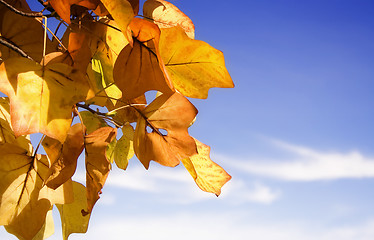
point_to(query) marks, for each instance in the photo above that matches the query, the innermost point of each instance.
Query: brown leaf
(27, 34)
(174, 114)
(139, 68)
(97, 164)
(62, 7)
(208, 175)
(166, 15)
(64, 156)
(124, 112)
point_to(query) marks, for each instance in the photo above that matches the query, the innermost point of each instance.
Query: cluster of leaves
(109, 56)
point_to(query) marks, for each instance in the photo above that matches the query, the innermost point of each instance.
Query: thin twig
(15, 48)
(10, 7)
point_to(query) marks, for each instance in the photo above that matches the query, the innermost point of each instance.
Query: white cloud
(307, 165)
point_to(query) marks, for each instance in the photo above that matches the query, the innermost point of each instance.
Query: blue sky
(296, 133)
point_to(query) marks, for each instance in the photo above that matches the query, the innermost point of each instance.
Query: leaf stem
(12, 46)
(32, 14)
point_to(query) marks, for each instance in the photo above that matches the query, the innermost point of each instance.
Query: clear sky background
(296, 133)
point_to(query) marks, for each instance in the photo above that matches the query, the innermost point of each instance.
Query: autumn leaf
(92, 121)
(124, 149)
(97, 164)
(27, 34)
(71, 217)
(166, 15)
(122, 12)
(63, 7)
(193, 66)
(45, 232)
(173, 114)
(6, 131)
(25, 200)
(208, 175)
(139, 68)
(64, 156)
(41, 99)
(127, 111)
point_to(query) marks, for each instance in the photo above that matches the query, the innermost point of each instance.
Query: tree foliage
(110, 56)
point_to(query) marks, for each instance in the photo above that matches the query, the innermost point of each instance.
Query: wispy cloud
(307, 164)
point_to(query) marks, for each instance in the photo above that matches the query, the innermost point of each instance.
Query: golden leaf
(124, 149)
(139, 68)
(193, 66)
(41, 98)
(97, 164)
(171, 113)
(122, 13)
(166, 15)
(208, 175)
(6, 131)
(25, 200)
(71, 217)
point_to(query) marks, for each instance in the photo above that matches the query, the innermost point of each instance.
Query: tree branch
(10, 7)
(12, 46)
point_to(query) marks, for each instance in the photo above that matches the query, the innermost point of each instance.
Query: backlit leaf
(193, 66)
(124, 149)
(64, 156)
(172, 114)
(166, 15)
(122, 13)
(139, 68)
(6, 131)
(41, 99)
(63, 7)
(24, 204)
(97, 164)
(27, 34)
(71, 217)
(208, 175)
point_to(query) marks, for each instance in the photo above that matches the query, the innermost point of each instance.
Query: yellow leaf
(170, 113)
(71, 217)
(6, 131)
(124, 149)
(139, 68)
(25, 200)
(41, 99)
(92, 122)
(208, 175)
(193, 66)
(122, 13)
(166, 15)
(97, 164)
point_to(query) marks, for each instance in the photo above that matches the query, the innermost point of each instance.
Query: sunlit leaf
(139, 68)
(122, 12)
(172, 114)
(63, 7)
(24, 204)
(193, 66)
(64, 156)
(41, 99)
(6, 131)
(97, 164)
(71, 217)
(126, 111)
(208, 175)
(166, 15)
(124, 149)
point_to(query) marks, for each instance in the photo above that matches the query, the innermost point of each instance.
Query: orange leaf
(139, 68)
(64, 156)
(174, 114)
(166, 15)
(208, 175)
(97, 164)
(62, 7)
(125, 113)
